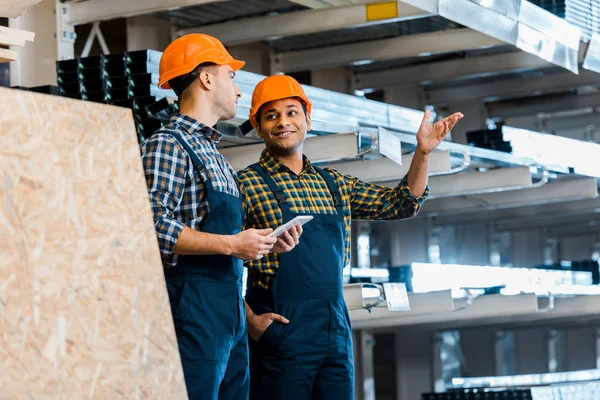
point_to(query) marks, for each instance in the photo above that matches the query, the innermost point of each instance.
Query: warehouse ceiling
(412, 52)
(222, 11)
(418, 55)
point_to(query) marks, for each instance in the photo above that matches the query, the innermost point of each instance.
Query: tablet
(300, 220)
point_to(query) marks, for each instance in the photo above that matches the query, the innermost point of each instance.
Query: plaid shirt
(308, 193)
(177, 191)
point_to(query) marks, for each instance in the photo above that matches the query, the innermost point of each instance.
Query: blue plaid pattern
(176, 189)
(307, 193)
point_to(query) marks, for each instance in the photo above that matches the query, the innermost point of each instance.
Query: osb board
(84, 312)
(14, 8)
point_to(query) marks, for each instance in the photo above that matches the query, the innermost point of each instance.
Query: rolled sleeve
(165, 168)
(406, 194)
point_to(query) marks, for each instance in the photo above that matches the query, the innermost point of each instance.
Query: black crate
(143, 56)
(121, 82)
(69, 89)
(161, 110)
(127, 103)
(113, 59)
(92, 85)
(114, 70)
(46, 89)
(146, 128)
(89, 62)
(150, 90)
(90, 73)
(141, 68)
(97, 96)
(63, 77)
(112, 94)
(146, 79)
(65, 66)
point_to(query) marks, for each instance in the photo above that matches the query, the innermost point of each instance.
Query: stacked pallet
(150, 103)
(126, 79)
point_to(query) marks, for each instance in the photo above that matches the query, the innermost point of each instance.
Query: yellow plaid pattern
(307, 193)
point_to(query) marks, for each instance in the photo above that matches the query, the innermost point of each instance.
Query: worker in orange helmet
(198, 217)
(302, 341)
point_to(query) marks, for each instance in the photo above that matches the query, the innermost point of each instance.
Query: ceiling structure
(451, 61)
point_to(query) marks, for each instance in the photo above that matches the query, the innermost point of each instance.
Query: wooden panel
(14, 8)
(84, 312)
(15, 37)
(7, 55)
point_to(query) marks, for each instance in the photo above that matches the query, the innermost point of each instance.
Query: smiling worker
(302, 347)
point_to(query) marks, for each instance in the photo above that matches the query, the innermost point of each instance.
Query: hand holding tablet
(300, 220)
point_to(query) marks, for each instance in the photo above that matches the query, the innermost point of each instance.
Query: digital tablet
(300, 220)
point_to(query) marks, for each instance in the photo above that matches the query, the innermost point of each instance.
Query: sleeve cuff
(168, 233)
(407, 193)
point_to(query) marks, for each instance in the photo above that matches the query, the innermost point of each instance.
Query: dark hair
(180, 83)
(259, 112)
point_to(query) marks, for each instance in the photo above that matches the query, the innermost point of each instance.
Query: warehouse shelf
(439, 310)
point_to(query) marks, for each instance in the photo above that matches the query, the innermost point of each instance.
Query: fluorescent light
(551, 150)
(435, 277)
(369, 273)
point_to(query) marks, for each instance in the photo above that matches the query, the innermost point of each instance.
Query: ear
(308, 126)
(206, 80)
(258, 132)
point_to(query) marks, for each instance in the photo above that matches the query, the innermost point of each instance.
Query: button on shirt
(176, 188)
(307, 193)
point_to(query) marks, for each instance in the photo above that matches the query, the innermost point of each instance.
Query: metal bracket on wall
(353, 298)
(65, 32)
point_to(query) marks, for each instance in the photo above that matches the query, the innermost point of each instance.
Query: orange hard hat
(184, 54)
(276, 87)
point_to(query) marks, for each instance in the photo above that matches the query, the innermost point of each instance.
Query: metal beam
(572, 221)
(386, 49)
(567, 123)
(470, 67)
(535, 105)
(384, 169)
(562, 191)
(99, 10)
(564, 231)
(317, 3)
(524, 213)
(512, 88)
(479, 156)
(496, 180)
(256, 29)
(317, 149)
(472, 183)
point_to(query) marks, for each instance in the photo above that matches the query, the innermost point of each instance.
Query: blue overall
(205, 293)
(311, 357)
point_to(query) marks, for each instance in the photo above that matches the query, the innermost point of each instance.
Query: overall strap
(333, 189)
(198, 164)
(279, 195)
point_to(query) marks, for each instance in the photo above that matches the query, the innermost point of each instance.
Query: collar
(194, 127)
(273, 166)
